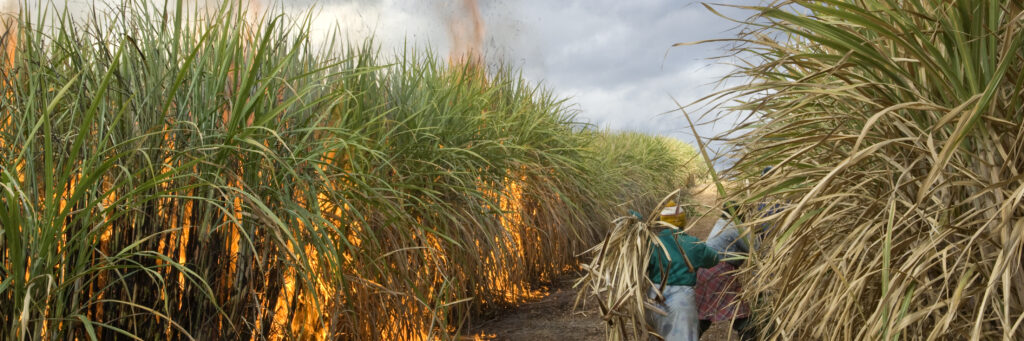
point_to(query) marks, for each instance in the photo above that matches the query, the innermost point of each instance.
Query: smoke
(255, 9)
(8, 26)
(466, 30)
(8, 11)
(9, 6)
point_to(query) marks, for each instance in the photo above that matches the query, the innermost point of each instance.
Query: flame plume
(9, 29)
(467, 32)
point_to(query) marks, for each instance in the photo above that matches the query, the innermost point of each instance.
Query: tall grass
(636, 170)
(894, 129)
(170, 174)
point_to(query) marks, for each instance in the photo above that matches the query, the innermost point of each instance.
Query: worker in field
(673, 270)
(718, 289)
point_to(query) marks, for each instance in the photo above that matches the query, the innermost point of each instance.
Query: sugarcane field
(473, 170)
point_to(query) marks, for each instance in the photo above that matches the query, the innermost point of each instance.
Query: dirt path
(553, 318)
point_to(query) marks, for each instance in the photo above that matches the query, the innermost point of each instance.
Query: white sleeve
(720, 225)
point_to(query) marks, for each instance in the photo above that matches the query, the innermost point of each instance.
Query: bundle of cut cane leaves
(617, 276)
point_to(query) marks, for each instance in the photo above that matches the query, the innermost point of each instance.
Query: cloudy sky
(612, 58)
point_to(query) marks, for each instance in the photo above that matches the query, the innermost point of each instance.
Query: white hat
(671, 211)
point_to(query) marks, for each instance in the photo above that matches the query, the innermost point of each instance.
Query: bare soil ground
(553, 318)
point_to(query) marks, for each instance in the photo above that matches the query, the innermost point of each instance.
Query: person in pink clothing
(717, 290)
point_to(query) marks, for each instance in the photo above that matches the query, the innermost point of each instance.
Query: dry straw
(895, 130)
(616, 277)
(617, 280)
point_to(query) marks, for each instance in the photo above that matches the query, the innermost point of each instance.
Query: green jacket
(700, 255)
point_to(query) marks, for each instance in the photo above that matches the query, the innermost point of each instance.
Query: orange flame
(467, 32)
